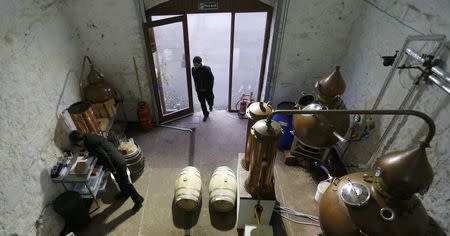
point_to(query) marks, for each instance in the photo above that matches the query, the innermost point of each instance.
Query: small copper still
(264, 137)
(322, 130)
(256, 111)
(97, 90)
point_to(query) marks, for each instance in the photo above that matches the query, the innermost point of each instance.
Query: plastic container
(321, 188)
(286, 124)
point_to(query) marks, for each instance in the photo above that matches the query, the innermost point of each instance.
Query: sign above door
(208, 5)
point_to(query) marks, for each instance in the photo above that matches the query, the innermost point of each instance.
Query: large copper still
(381, 202)
(351, 206)
(256, 111)
(264, 137)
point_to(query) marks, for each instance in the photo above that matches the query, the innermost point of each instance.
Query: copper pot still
(98, 90)
(382, 202)
(320, 130)
(264, 138)
(255, 112)
(83, 117)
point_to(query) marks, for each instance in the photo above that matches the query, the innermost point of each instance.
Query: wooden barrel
(135, 163)
(222, 189)
(188, 188)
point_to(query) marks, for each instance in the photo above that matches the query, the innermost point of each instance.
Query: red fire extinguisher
(244, 102)
(144, 116)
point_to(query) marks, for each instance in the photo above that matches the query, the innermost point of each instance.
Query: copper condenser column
(256, 111)
(264, 137)
(83, 117)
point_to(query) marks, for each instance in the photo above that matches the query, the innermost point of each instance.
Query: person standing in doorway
(204, 83)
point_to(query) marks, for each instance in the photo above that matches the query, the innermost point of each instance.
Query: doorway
(232, 41)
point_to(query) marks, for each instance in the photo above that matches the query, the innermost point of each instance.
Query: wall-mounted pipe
(439, 38)
(438, 76)
(439, 83)
(423, 116)
(414, 55)
(441, 73)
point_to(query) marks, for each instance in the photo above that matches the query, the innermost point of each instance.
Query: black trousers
(203, 97)
(124, 183)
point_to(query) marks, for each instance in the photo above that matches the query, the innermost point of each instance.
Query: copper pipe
(80, 84)
(258, 213)
(423, 116)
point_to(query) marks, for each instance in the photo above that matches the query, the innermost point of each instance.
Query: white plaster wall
(111, 34)
(37, 53)
(374, 34)
(315, 38)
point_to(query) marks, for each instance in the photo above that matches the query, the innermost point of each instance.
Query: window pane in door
(155, 18)
(170, 67)
(209, 38)
(247, 53)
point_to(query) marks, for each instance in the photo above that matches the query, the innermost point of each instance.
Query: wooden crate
(106, 109)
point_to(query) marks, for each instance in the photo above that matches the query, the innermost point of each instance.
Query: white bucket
(188, 188)
(222, 189)
(321, 188)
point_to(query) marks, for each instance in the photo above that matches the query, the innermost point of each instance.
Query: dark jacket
(105, 151)
(203, 78)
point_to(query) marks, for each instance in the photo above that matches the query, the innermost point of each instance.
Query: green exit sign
(209, 5)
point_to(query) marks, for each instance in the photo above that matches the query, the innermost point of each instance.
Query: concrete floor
(217, 142)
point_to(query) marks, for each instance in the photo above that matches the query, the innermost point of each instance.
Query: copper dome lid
(404, 173)
(258, 110)
(267, 130)
(94, 75)
(333, 85)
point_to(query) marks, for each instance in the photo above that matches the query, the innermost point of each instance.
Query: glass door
(249, 35)
(167, 41)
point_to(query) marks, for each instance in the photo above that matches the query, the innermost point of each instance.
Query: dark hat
(197, 59)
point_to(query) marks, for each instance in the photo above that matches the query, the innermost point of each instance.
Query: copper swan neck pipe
(423, 116)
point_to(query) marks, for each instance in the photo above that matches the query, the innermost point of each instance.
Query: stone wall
(313, 40)
(111, 34)
(38, 54)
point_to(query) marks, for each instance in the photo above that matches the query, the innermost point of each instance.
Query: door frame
(184, 7)
(157, 88)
